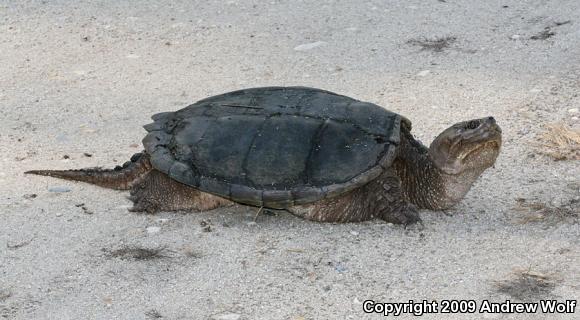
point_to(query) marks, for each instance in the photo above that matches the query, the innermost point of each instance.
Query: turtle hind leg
(156, 192)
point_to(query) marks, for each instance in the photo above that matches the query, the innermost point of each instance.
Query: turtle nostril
(491, 119)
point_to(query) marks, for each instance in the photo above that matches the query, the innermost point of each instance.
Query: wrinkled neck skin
(423, 183)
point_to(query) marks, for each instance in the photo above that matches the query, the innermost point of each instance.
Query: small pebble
(515, 37)
(423, 73)
(573, 110)
(354, 233)
(340, 268)
(4, 294)
(205, 226)
(59, 189)
(88, 130)
(58, 214)
(153, 230)
(226, 316)
(309, 46)
(528, 115)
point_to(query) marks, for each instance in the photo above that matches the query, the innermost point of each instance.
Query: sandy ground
(83, 77)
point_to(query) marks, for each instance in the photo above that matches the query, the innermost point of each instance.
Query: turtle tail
(119, 178)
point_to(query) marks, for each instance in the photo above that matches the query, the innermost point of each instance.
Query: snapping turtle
(317, 154)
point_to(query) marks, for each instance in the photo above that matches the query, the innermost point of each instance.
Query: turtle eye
(473, 124)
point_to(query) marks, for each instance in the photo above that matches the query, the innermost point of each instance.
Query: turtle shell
(275, 146)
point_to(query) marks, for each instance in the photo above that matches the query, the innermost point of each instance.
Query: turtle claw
(418, 225)
(136, 208)
(405, 214)
(144, 206)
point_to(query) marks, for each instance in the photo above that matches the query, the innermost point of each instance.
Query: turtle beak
(490, 123)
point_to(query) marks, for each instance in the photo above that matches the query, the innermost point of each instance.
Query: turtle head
(467, 146)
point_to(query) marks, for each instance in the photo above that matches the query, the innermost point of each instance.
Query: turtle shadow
(137, 253)
(437, 45)
(527, 285)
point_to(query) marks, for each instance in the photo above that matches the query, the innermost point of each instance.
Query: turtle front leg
(385, 195)
(156, 192)
(381, 198)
